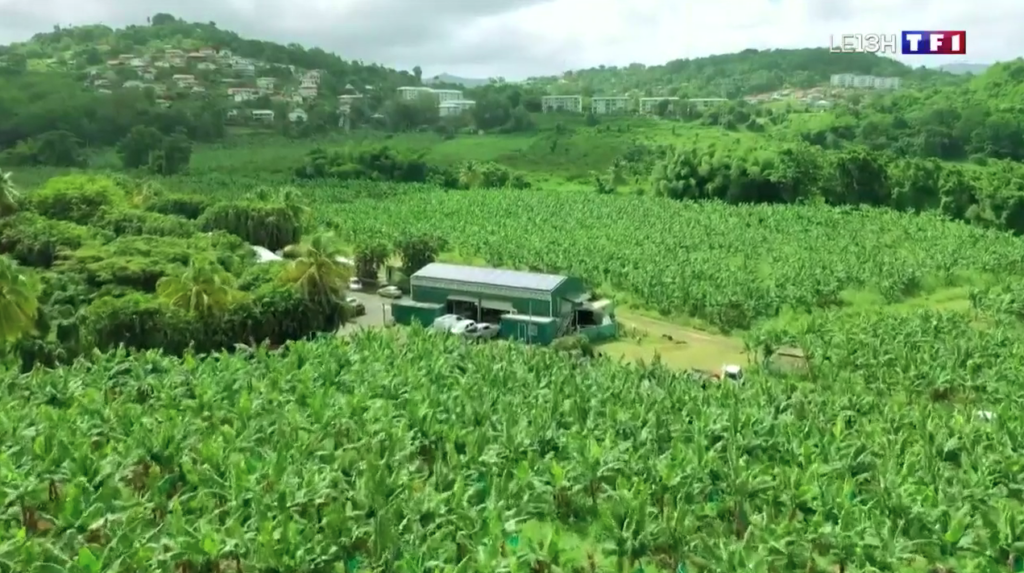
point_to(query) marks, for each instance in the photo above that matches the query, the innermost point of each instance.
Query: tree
(145, 147)
(162, 19)
(471, 175)
(317, 272)
(204, 289)
(370, 258)
(418, 252)
(19, 304)
(418, 73)
(137, 148)
(174, 155)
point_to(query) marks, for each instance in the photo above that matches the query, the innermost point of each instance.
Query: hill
(975, 69)
(732, 75)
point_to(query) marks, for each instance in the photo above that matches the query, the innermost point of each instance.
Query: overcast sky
(520, 38)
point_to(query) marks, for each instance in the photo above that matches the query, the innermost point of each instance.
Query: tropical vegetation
(172, 403)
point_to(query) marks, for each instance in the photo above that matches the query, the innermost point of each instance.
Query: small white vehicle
(732, 372)
(446, 322)
(356, 305)
(461, 326)
(390, 292)
(355, 284)
(481, 331)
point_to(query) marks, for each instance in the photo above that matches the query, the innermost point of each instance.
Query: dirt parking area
(377, 309)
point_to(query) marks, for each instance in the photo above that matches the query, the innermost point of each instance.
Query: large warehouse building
(535, 307)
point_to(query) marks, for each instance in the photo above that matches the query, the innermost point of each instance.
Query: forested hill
(81, 47)
(736, 75)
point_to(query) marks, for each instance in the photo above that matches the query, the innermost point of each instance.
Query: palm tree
(8, 194)
(205, 288)
(471, 175)
(19, 303)
(317, 270)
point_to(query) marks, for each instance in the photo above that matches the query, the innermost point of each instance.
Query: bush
(36, 241)
(133, 222)
(138, 321)
(76, 198)
(187, 206)
(273, 226)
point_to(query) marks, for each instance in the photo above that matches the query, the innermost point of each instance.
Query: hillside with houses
(253, 89)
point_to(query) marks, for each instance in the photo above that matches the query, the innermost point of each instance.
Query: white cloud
(518, 38)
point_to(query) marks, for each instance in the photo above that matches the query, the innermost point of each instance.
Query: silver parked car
(390, 292)
(481, 331)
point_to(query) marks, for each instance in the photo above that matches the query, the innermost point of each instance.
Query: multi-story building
(612, 104)
(886, 83)
(573, 103)
(649, 105)
(455, 107)
(266, 83)
(265, 115)
(702, 103)
(447, 95)
(864, 82)
(414, 93)
(243, 94)
(245, 68)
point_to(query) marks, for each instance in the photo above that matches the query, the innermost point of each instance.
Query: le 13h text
(905, 43)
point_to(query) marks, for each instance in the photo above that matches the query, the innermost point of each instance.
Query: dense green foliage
(729, 265)
(977, 119)
(417, 453)
(167, 409)
(734, 75)
(119, 275)
(382, 163)
(992, 196)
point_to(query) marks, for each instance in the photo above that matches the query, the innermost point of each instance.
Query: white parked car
(357, 306)
(390, 292)
(355, 284)
(446, 322)
(481, 331)
(461, 326)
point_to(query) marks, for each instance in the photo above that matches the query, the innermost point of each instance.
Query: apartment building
(864, 82)
(414, 93)
(243, 94)
(442, 96)
(613, 104)
(243, 67)
(455, 107)
(649, 105)
(702, 103)
(447, 95)
(572, 103)
(263, 115)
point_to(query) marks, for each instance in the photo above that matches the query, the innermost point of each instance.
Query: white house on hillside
(298, 115)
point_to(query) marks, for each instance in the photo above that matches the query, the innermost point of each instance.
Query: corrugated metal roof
(488, 276)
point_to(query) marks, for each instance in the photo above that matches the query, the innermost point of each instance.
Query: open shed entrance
(481, 310)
